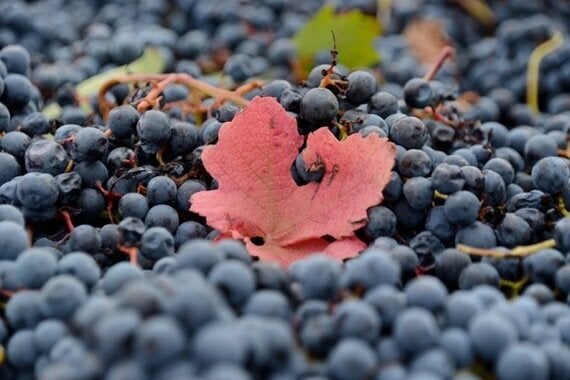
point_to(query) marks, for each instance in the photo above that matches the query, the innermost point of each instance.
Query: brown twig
(245, 88)
(161, 81)
(333, 84)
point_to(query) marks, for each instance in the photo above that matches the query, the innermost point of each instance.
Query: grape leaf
(258, 201)
(354, 34)
(426, 39)
(151, 62)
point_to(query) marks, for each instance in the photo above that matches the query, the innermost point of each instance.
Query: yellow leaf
(354, 33)
(151, 62)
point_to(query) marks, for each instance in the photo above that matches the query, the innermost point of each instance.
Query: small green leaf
(151, 62)
(354, 33)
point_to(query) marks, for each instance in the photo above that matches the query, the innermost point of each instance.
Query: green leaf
(151, 62)
(354, 33)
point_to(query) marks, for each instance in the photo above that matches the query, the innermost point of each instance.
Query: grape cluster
(106, 274)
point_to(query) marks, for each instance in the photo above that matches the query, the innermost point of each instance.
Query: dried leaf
(426, 39)
(258, 199)
(354, 33)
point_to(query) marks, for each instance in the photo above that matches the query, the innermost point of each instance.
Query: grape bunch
(106, 274)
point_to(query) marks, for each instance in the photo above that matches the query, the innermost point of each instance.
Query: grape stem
(336, 85)
(161, 81)
(446, 53)
(69, 166)
(561, 206)
(132, 252)
(422, 270)
(66, 216)
(480, 11)
(7, 293)
(517, 252)
(343, 131)
(533, 70)
(110, 197)
(514, 287)
(438, 195)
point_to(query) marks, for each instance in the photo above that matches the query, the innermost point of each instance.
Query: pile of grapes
(106, 274)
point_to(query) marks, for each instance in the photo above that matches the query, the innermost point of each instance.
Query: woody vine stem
(161, 81)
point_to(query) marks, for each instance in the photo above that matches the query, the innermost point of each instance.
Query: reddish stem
(67, 140)
(132, 162)
(132, 252)
(110, 197)
(7, 293)
(110, 212)
(421, 270)
(141, 189)
(67, 218)
(446, 52)
(107, 193)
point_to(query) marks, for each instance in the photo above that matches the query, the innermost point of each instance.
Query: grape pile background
(106, 274)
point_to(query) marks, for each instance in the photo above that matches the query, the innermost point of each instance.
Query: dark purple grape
(90, 144)
(37, 191)
(418, 93)
(46, 156)
(123, 121)
(318, 106)
(361, 86)
(409, 132)
(16, 59)
(383, 104)
(18, 91)
(9, 168)
(153, 129)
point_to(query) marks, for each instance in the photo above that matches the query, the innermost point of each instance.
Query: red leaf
(258, 198)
